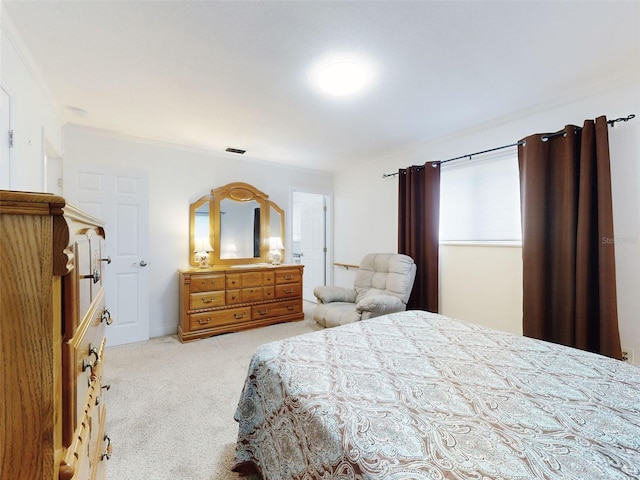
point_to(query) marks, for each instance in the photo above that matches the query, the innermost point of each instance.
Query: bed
(416, 395)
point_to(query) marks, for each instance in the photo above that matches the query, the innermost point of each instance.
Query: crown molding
(211, 152)
(606, 84)
(12, 34)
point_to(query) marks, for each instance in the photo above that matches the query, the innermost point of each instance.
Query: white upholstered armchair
(382, 285)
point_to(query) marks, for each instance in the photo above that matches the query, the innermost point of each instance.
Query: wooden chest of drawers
(52, 337)
(222, 300)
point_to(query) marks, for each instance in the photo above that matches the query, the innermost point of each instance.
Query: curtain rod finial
(621, 119)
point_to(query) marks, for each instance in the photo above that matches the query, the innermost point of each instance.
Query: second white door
(310, 211)
(119, 197)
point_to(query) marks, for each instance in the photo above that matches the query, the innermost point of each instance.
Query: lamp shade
(201, 244)
(275, 243)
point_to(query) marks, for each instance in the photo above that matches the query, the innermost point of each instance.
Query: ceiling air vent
(235, 150)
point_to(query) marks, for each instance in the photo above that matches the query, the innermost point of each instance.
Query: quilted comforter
(415, 395)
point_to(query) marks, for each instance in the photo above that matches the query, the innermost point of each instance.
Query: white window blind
(480, 199)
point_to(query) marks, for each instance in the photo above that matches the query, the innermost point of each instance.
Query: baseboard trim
(163, 331)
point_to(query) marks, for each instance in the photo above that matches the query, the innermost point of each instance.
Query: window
(480, 199)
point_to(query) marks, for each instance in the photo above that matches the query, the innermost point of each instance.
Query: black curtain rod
(435, 163)
(621, 119)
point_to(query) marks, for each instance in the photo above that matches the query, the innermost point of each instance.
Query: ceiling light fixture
(343, 78)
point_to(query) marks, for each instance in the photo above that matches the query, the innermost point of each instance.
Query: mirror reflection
(239, 229)
(201, 229)
(275, 221)
(241, 224)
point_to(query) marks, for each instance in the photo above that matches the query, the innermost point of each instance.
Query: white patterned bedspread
(416, 395)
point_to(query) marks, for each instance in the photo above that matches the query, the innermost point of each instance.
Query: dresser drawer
(96, 279)
(234, 280)
(98, 466)
(247, 295)
(96, 414)
(234, 297)
(206, 283)
(206, 300)
(82, 252)
(218, 318)
(251, 294)
(268, 278)
(276, 309)
(251, 279)
(288, 290)
(288, 276)
(75, 463)
(83, 356)
(81, 456)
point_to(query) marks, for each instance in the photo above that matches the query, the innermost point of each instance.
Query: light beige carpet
(171, 405)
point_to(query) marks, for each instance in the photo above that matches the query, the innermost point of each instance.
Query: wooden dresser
(224, 299)
(52, 338)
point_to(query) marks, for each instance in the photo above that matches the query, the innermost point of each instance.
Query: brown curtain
(418, 224)
(569, 286)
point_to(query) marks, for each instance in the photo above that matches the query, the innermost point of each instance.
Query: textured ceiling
(213, 75)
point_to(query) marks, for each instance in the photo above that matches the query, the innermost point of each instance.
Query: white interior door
(53, 174)
(311, 212)
(119, 197)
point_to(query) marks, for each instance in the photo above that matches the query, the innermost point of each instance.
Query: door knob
(142, 263)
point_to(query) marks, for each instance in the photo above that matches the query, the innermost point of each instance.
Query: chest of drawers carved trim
(222, 300)
(52, 337)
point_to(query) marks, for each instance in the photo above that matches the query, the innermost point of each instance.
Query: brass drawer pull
(106, 317)
(287, 290)
(107, 453)
(95, 276)
(87, 364)
(238, 316)
(203, 322)
(263, 312)
(288, 277)
(93, 350)
(208, 300)
(291, 307)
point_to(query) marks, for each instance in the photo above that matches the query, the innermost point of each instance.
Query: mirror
(240, 224)
(239, 229)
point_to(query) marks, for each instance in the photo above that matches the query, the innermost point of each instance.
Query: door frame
(124, 267)
(327, 237)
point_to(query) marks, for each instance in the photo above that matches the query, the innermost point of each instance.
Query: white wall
(178, 177)
(366, 213)
(482, 284)
(34, 118)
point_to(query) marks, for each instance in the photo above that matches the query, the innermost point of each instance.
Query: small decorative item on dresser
(275, 247)
(201, 250)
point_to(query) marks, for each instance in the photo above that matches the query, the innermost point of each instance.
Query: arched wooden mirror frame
(236, 192)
